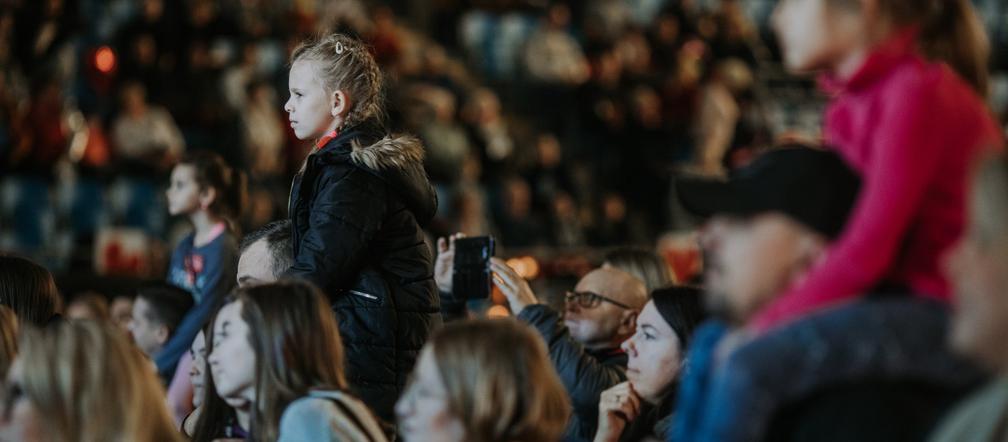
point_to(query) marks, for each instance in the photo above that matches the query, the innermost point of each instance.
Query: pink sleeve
(180, 390)
(905, 158)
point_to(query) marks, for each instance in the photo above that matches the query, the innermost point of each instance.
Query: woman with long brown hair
(278, 347)
(83, 381)
(487, 380)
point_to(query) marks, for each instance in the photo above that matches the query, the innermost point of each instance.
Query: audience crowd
(301, 272)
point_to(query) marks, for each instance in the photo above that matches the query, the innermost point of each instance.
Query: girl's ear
(207, 197)
(339, 104)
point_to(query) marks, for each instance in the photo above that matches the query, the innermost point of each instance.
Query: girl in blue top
(210, 193)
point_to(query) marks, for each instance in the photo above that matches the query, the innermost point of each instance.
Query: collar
(326, 139)
(880, 61)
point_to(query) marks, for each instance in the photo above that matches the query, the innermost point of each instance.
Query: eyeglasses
(591, 300)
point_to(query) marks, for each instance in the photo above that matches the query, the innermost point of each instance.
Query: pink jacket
(912, 129)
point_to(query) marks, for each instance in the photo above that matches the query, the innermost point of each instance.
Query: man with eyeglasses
(584, 343)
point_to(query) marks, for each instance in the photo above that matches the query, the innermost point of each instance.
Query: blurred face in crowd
(605, 324)
(751, 261)
(198, 353)
(310, 107)
(232, 361)
(655, 355)
(423, 410)
(255, 265)
(19, 419)
(183, 191)
(817, 34)
(121, 311)
(978, 269)
(149, 335)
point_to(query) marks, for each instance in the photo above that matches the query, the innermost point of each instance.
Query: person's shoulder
(328, 415)
(977, 417)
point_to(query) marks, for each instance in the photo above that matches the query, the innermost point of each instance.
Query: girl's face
(232, 360)
(183, 192)
(423, 409)
(655, 355)
(198, 353)
(817, 34)
(19, 419)
(310, 107)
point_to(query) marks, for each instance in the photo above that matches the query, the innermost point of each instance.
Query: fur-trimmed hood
(398, 159)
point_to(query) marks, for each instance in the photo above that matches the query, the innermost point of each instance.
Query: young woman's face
(423, 409)
(232, 360)
(198, 353)
(19, 419)
(816, 34)
(655, 355)
(183, 192)
(309, 107)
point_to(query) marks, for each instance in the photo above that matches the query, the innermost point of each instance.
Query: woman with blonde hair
(487, 380)
(83, 381)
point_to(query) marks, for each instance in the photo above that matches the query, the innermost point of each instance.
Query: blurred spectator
(145, 134)
(29, 290)
(978, 270)
(112, 395)
(446, 141)
(157, 313)
(489, 133)
(89, 306)
(552, 55)
(519, 225)
(770, 226)
(457, 383)
(719, 114)
(211, 195)
(600, 313)
(264, 132)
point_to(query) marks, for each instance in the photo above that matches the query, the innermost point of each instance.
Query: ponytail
(950, 32)
(210, 170)
(953, 33)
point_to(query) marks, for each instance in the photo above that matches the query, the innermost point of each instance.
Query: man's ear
(628, 324)
(162, 334)
(339, 104)
(811, 250)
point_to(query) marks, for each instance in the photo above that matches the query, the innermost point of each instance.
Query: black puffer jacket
(355, 211)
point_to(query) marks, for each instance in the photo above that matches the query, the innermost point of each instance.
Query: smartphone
(471, 275)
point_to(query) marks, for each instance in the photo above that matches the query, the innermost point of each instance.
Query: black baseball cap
(814, 187)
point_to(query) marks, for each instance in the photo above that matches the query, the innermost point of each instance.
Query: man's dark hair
(168, 304)
(277, 235)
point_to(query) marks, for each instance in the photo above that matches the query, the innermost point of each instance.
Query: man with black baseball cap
(767, 225)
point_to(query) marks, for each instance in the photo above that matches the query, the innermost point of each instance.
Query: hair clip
(339, 47)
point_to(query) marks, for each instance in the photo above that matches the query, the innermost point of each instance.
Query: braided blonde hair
(346, 64)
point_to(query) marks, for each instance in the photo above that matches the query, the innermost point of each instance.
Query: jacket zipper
(366, 295)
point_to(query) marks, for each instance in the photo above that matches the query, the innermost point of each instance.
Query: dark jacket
(585, 374)
(356, 209)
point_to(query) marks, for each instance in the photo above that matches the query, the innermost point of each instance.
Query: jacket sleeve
(907, 156)
(213, 284)
(584, 376)
(345, 216)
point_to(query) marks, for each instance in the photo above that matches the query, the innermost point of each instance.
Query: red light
(105, 59)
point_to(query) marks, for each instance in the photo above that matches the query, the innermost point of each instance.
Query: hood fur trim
(390, 152)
